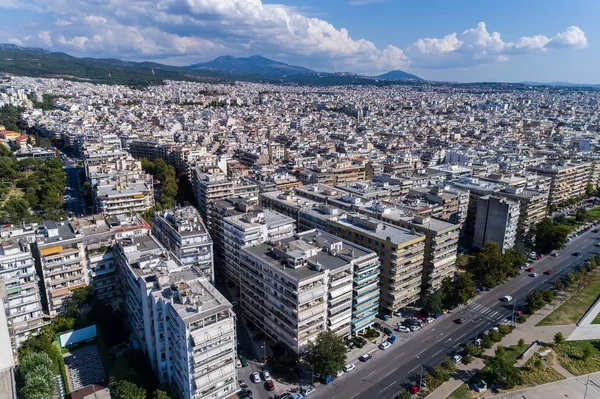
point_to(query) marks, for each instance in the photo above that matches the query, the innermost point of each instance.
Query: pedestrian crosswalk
(486, 311)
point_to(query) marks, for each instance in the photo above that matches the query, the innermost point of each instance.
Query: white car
(255, 377)
(456, 358)
(507, 298)
(555, 254)
(403, 329)
(308, 391)
(238, 364)
(415, 327)
(430, 319)
(384, 345)
(339, 374)
(266, 375)
(349, 367)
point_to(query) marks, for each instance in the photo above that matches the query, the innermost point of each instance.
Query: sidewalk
(526, 330)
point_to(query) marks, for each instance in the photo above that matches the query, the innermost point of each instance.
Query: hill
(398, 75)
(255, 65)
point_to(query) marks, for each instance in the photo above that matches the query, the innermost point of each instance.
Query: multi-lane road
(395, 369)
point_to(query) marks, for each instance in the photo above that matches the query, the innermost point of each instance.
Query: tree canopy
(327, 354)
(167, 176)
(127, 390)
(36, 376)
(502, 371)
(491, 267)
(548, 237)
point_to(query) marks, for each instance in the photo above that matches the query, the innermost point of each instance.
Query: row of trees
(10, 117)
(36, 376)
(167, 176)
(128, 390)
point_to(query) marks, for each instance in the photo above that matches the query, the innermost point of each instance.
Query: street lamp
(264, 348)
(420, 379)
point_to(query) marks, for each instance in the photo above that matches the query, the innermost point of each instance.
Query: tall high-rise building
(497, 221)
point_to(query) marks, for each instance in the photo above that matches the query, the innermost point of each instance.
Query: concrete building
(297, 287)
(19, 290)
(532, 207)
(497, 221)
(209, 188)
(8, 386)
(120, 192)
(182, 232)
(182, 323)
(567, 181)
(251, 228)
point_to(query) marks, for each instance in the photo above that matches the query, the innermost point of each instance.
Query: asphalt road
(76, 202)
(397, 368)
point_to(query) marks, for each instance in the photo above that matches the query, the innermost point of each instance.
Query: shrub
(521, 319)
(548, 296)
(521, 343)
(486, 341)
(495, 336)
(504, 329)
(538, 363)
(467, 359)
(559, 338)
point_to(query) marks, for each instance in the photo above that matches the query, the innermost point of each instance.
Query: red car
(538, 257)
(414, 389)
(531, 269)
(548, 272)
(269, 385)
(420, 316)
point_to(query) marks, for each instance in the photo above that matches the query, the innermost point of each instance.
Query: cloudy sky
(456, 40)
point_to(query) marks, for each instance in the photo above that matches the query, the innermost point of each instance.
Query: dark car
(377, 326)
(269, 385)
(460, 320)
(361, 340)
(387, 331)
(576, 253)
(548, 272)
(365, 357)
(244, 394)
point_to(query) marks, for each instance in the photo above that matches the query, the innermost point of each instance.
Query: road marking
(388, 374)
(439, 335)
(455, 345)
(411, 370)
(399, 356)
(367, 376)
(421, 352)
(460, 337)
(436, 353)
(389, 386)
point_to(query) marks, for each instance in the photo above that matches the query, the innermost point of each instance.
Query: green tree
(559, 338)
(128, 390)
(327, 354)
(17, 209)
(589, 190)
(515, 257)
(486, 341)
(433, 302)
(404, 394)
(36, 376)
(448, 293)
(581, 214)
(560, 218)
(521, 344)
(535, 301)
(503, 372)
(548, 237)
(158, 394)
(548, 295)
(491, 267)
(465, 288)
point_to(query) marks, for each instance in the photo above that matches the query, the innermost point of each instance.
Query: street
(396, 368)
(75, 203)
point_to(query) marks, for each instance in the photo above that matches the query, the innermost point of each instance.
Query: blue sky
(456, 40)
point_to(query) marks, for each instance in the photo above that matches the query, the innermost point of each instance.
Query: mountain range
(38, 62)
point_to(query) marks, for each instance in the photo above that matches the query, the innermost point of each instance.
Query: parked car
(349, 367)
(415, 327)
(266, 376)
(555, 254)
(414, 389)
(533, 275)
(385, 345)
(328, 380)
(391, 339)
(387, 331)
(531, 269)
(308, 391)
(456, 358)
(339, 374)
(365, 357)
(238, 364)
(403, 329)
(255, 377)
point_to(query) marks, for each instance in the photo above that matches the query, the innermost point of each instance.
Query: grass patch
(573, 309)
(593, 214)
(462, 392)
(570, 356)
(538, 376)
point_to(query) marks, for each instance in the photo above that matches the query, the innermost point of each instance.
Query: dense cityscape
(208, 240)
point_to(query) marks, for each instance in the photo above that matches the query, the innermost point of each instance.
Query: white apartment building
(119, 192)
(19, 290)
(182, 231)
(251, 228)
(297, 287)
(182, 323)
(209, 188)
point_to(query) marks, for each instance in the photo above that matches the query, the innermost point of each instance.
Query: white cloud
(573, 37)
(190, 31)
(477, 46)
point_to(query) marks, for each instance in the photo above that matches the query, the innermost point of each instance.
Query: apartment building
(400, 251)
(19, 290)
(298, 287)
(567, 181)
(71, 255)
(120, 192)
(251, 228)
(182, 232)
(209, 188)
(532, 207)
(497, 221)
(454, 202)
(182, 323)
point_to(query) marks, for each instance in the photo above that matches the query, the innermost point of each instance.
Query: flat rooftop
(258, 218)
(184, 221)
(376, 228)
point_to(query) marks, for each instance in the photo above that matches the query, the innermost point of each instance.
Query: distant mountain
(255, 65)
(36, 62)
(560, 84)
(398, 75)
